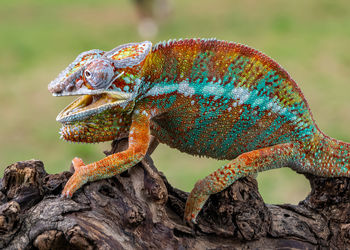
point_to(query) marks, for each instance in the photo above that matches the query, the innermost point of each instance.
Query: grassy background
(40, 38)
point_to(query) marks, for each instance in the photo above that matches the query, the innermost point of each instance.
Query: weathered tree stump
(139, 209)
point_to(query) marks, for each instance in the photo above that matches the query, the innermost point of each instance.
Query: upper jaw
(66, 83)
(85, 91)
(70, 87)
(81, 91)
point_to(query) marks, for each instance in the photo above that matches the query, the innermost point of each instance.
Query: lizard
(205, 97)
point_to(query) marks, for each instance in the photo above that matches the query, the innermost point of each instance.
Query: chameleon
(205, 97)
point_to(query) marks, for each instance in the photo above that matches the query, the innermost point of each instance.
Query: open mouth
(88, 105)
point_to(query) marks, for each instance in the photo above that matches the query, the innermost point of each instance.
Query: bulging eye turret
(99, 74)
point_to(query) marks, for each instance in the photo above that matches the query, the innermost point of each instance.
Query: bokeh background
(39, 38)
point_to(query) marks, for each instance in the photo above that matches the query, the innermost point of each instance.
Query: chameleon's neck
(330, 157)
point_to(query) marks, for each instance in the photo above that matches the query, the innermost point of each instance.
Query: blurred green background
(40, 38)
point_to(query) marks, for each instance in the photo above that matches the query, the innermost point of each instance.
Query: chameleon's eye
(99, 74)
(87, 74)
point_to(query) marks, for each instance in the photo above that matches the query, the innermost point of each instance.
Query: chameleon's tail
(331, 157)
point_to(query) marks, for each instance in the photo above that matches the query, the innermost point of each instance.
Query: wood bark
(139, 209)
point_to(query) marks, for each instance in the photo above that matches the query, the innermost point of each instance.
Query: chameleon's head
(96, 71)
(105, 79)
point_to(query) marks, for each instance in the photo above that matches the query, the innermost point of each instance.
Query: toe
(77, 163)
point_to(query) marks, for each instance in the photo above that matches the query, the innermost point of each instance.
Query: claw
(190, 220)
(68, 189)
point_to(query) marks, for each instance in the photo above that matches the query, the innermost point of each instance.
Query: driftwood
(139, 209)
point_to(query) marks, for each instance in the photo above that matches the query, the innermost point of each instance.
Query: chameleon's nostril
(55, 88)
(70, 88)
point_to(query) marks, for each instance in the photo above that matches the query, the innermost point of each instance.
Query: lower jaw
(86, 106)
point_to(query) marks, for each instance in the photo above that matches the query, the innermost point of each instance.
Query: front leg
(139, 139)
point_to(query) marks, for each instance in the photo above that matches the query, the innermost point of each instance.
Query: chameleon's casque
(204, 97)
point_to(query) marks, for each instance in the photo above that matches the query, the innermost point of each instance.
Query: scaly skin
(204, 97)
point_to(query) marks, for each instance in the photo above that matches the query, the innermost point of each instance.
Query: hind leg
(248, 163)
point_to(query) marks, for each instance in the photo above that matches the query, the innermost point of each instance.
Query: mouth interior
(90, 102)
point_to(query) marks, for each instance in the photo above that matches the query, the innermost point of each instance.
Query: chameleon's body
(204, 97)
